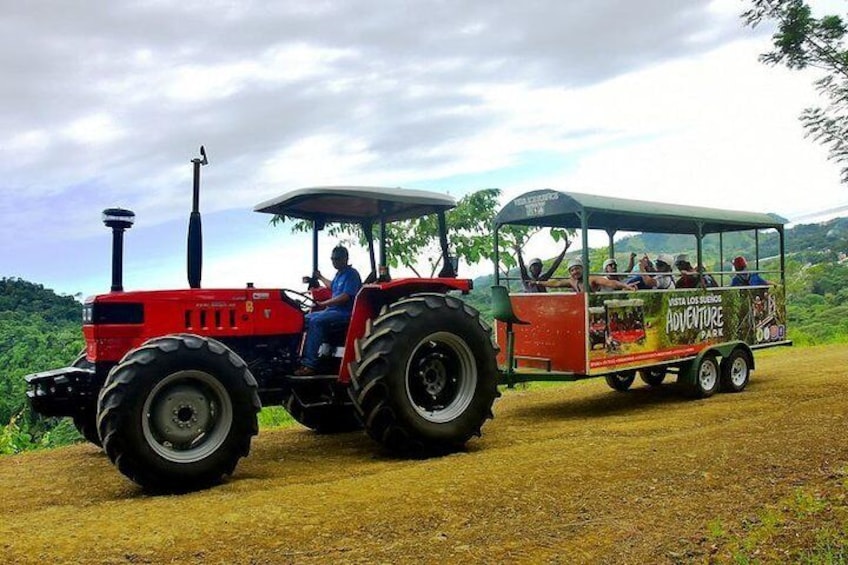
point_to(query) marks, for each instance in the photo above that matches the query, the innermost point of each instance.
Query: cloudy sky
(105, 103)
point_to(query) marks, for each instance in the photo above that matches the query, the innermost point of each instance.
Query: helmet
(534, 261)
(739, 263)
(608, 262)
(665, 258)
(575, 262)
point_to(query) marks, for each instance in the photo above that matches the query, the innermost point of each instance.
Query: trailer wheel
(85, 420)
(323, 418)
(652, 377)
(621, 381)
(735, 371)
(178, 413)
(706, 381)
(425, 375)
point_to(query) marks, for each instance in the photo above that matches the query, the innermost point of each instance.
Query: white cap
(666, 258)
(533, 261)
(682, 258)
(575, 262)
(610, 261)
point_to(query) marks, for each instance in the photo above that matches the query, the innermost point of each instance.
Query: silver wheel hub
(434, 375)
(738, 372)
(187, 416)
(182, 415)
(708, 376)
(441, 377)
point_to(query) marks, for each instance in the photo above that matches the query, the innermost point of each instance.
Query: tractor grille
(210, 318)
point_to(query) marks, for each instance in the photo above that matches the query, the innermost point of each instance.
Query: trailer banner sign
(651, 326)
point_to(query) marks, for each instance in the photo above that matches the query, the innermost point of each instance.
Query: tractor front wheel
(425, 375)
(85, 420)
(178, 413)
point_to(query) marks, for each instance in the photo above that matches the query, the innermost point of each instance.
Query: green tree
(802, 41)
(413, 242)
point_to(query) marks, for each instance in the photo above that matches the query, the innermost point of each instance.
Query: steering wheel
(303, 301)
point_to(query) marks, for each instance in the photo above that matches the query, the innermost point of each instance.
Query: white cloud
(657, 99)
(96, 129)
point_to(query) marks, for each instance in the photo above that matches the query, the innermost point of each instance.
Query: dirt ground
(571, 474)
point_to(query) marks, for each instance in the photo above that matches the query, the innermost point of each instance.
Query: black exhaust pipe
(194, 257)
(119, 220)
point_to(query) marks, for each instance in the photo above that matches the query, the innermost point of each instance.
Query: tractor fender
(688, 370)
(372, 298)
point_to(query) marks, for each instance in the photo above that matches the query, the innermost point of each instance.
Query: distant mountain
(816, 242)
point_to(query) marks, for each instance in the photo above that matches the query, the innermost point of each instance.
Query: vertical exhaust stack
(194, 256)
(119, 220)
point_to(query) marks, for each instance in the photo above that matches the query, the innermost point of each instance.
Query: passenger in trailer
(596, 283)
(531, 281)
(662, 279)
(689, 277)
(743, 277)
(611, 268)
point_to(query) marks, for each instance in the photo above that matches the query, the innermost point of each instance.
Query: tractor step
(312, 378)
(323, 400)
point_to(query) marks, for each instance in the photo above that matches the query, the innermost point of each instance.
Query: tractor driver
(338, 308)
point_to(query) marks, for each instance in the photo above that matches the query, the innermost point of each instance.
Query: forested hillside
(38, 330)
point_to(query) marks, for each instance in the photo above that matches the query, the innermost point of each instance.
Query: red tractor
(171, 381)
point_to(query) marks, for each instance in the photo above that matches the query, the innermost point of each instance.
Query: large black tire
(735, 371)
(85, 420)
(425, 375)
(332, 418)
(621, 381)
(705, 378)
(178, 413)
(653, 377)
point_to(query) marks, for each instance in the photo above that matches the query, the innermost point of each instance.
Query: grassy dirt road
(572, 474)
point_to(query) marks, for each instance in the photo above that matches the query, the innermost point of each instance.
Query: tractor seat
(502, 307)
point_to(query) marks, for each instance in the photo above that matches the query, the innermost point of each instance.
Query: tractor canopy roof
(553, 208)
(356, 204)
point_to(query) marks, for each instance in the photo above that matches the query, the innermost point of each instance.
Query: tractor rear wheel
(425, 375)
(178, 413)
(85, 420)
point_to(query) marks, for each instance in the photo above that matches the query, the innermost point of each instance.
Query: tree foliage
(803, 41)
(411, 243)
(39, 330)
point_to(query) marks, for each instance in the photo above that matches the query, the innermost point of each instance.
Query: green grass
(275, 417)
(810, 526)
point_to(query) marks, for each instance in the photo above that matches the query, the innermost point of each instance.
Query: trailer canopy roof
(356, 204)
(552, 208)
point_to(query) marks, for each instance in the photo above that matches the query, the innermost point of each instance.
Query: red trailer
(705, 335)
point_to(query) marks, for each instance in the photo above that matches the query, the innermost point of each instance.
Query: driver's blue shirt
(346, 281)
